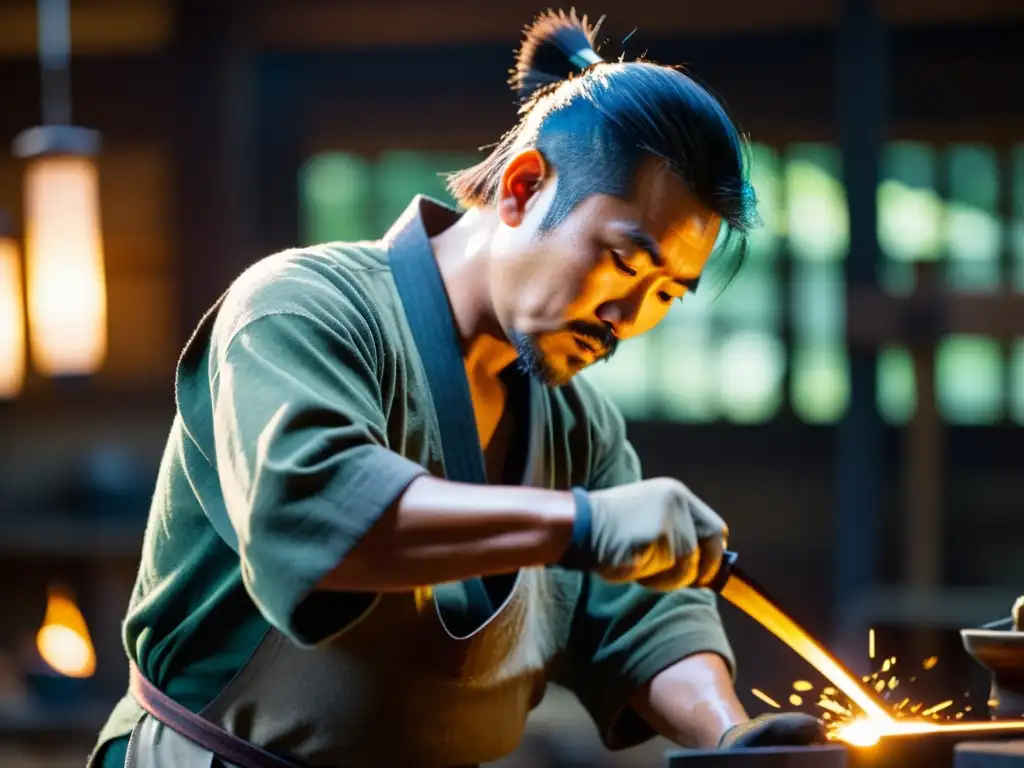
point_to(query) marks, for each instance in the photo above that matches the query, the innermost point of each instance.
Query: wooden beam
(875, 318)
(97, 27)
(950, 11)
(327, 24)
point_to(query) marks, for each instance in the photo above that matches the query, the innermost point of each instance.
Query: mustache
(597, 332)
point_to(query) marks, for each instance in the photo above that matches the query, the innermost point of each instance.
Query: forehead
(660, 204)
(663, 205)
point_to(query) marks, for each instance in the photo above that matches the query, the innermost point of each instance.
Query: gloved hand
(783, 729)
(655, 532)
(1018, 615)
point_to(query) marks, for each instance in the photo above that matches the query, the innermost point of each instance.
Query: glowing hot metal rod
(876, 722)
(743, 592)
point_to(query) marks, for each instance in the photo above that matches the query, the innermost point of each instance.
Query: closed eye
(621, 265)
(669, 298)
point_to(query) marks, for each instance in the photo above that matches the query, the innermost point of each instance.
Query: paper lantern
(64, 265)
(12, 319)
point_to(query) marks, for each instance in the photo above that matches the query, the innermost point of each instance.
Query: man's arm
(327, 516)
(691, 702)
(442, 531)
(641, 662)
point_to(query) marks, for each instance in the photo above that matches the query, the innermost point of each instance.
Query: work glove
(1018, 615)
(655, 532)
(784, 729)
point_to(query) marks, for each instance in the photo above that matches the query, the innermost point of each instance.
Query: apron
(441, 676)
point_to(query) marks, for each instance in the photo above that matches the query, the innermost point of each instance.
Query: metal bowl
(1002, 654)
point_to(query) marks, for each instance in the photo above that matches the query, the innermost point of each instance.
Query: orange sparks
(766, 698)
(937, 708)
(835, 707)
(875, 718)
(802, 685)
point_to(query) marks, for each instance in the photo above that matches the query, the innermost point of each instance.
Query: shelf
(63, 536)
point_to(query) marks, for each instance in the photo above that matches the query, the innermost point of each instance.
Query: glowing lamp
(63, 640)
(66, 287)
(12, 317)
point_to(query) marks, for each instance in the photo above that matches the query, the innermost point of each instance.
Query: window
(819, 234)
(1017, 219)
(348, 197)
(970, 370)
(1016, 244)
(336, 197)
(909, 230)
(721, 356)
(963, 231)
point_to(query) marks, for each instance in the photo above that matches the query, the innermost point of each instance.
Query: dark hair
(595, 121)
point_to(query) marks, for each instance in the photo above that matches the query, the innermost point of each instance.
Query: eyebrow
(641, 240)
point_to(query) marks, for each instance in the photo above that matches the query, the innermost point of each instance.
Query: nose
(620, 314)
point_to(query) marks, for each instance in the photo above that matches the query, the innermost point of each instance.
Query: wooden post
(923, 449)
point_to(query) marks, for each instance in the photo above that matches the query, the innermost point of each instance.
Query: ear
(521, 180)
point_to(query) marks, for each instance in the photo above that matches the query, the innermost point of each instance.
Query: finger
(682, 574)
(631, 566)
(711, 551)
(657, 558)
(706, 521)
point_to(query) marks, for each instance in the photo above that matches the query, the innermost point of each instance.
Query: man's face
(609, 271)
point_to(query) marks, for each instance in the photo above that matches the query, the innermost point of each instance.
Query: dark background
(884, 136)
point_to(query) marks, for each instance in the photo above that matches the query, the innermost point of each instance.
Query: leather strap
(197, 729)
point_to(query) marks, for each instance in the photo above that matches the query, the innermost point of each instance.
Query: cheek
(653, 311)
(593, 287)
(562, 279)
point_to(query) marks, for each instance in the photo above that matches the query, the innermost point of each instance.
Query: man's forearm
(441, 531)
(692, 702)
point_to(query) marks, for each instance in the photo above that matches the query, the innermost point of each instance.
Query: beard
(531, 360)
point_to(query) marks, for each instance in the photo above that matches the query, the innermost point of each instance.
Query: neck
(462, 258)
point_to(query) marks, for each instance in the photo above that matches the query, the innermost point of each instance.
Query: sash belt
(197, 729)
(200, 730)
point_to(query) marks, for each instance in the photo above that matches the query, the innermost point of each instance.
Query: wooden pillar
(861, 74)
(924, 448)
(215, 149)
(283, 107)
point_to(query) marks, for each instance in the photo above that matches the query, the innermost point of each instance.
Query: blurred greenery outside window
(723, 357)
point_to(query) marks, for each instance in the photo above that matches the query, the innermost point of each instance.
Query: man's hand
(656, 532)
(785, 729)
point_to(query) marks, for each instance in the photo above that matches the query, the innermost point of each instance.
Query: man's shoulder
(337, 284)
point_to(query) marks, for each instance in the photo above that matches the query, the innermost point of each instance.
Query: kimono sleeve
(623, 635)
(302, 455)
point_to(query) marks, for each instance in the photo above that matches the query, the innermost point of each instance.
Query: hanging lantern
(12, 317)
(67, 297)
(66, 287)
